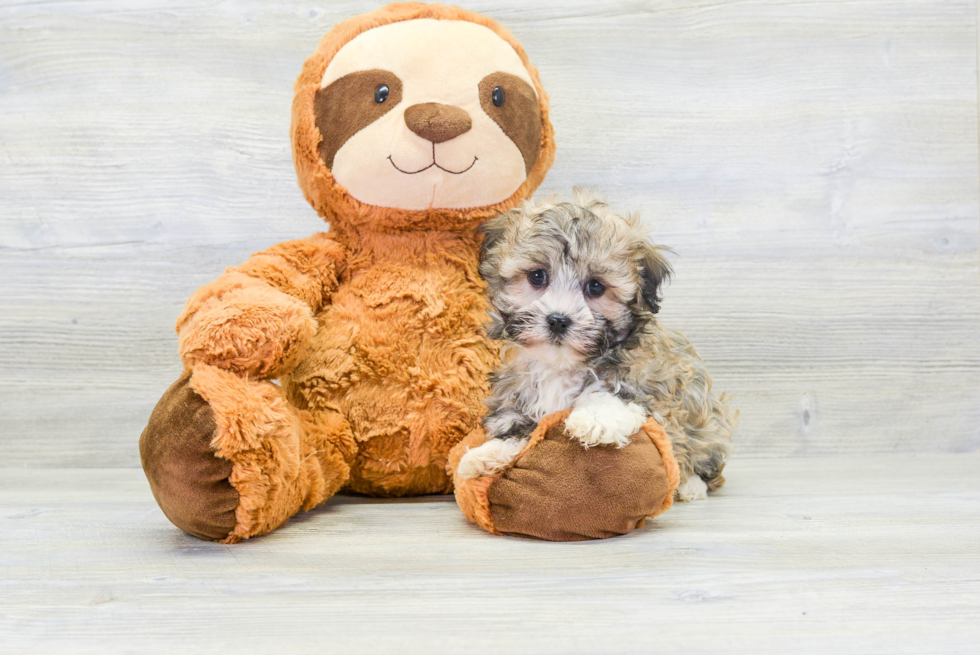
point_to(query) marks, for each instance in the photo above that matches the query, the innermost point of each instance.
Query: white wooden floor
(872, 554)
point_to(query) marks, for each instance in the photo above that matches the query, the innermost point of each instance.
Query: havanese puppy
(574, 289)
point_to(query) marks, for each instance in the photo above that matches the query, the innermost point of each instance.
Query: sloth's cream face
(428, 114)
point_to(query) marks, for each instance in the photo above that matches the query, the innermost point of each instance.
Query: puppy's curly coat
(575, 289)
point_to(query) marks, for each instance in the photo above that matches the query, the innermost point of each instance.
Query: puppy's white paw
(694, 488)
(603, 419)
(489, 458)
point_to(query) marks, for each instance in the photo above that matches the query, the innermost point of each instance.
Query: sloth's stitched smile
(434, 163)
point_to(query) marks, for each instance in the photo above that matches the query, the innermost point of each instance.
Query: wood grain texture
(872, 554)
(813, 165)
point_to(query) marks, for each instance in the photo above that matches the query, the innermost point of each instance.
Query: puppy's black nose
(558, 324)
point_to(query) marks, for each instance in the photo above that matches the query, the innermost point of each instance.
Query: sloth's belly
(400, 354)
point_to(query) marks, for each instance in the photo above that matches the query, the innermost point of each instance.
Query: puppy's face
(569, 280)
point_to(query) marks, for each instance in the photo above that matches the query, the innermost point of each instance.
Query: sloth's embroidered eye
(538, 278)
(498, 96)
(381, 93)
(595, 288)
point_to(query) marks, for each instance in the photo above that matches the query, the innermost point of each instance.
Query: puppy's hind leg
(703, 440)
(710, 441)
(694, 488)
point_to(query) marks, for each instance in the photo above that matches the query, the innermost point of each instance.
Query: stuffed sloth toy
(411, 125)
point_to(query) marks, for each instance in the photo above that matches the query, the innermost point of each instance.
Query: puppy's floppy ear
(654, 271)
(493, 231)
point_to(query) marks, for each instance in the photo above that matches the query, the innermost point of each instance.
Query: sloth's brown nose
(437, 123)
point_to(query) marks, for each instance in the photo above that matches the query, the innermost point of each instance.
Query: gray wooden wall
(814, 166)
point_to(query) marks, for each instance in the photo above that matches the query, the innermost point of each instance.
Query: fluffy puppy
(574, 289)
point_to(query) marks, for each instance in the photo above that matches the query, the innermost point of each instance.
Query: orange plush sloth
(410, 126)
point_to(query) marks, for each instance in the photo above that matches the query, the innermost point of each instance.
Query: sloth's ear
(654, 272)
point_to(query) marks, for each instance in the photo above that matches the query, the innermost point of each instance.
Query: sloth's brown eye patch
(350, 103)
(513, 105)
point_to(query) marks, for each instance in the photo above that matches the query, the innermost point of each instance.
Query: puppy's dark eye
(381, 93)
(538, 278)
(498, 96)
(595, 288)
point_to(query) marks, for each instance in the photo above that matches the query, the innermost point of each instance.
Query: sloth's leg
(229, 458)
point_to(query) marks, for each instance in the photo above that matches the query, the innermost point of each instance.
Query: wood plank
(813, 165)
(872, 554)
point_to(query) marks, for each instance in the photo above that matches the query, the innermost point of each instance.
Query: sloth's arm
(257, 319)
